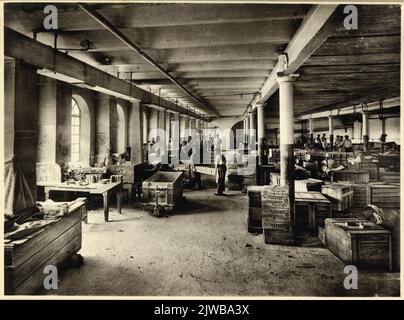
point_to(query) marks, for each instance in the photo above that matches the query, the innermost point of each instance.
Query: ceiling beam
(373, 106)
(115, 31)
(22, 48)
(140, 15)
(315, 28)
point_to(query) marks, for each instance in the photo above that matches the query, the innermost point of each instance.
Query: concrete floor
(204, 251)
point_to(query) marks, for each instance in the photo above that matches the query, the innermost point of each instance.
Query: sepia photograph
(201, 149)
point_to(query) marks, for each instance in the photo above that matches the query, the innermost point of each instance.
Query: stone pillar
(365, 131)
(253, 133)
(175, 136)
(311, 130)
(287, 164)
(261, 133)
(104, 131)
(54, 121)
(162, 127)
(286, 130)
(145, 117)
(21, 118)
(153, 123)
(247, 130)
(168, 126)
(186, 127)
(331, 130)
(136, 123)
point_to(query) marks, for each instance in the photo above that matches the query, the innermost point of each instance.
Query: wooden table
(96, 188)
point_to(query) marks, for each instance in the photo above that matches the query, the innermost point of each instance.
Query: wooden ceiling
(220, 52)
(223, 53)
(354, 66)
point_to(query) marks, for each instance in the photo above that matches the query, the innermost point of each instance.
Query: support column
(103, 125)
(21, 119)
(311, 130)
(136, 123)
(383, 136)
(331, 130)
(253, 133)
(54, 121)
(286, 130)
(175, 136)
(365, 131)
(261, 133)
(168, 116)
(186, 127)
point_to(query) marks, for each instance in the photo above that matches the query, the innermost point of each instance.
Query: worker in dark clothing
(221, 168)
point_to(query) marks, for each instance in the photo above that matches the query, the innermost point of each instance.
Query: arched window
(75, 141)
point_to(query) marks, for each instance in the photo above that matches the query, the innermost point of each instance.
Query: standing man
(221, 168)
(348, 146)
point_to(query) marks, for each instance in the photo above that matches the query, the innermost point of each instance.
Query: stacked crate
(235, 182)
(254, 220)
(389, 176)
(308, 185)
(370, 166)
(277, 215)
(341, 195)
(315, 204)
(361, 193)
(385, 195)
(350, 175)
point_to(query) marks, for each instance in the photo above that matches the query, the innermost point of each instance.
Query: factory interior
(202, 149)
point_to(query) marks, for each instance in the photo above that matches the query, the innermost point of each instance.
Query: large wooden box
(308, 185)
(317, 207)
(361, 194)
(25, 259)
(341, 195)
(370, 166)
(254, 220)
(277, 215)
(389, 176)
(164, 188)
(385, 195)
(359, 242)
(350, 175)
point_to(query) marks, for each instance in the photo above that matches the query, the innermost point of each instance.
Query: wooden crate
(389, 176)
(308, 185)
(341, 195)
(371, 167)
(277, 215)
(385, 195)
(235, 182)
(316, 205)
(350, 175)
(166, 186)
(254, 220)
(359, 242)
(361, 194)
(25, 259)
(264, 174)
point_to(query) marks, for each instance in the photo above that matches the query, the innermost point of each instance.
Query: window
(75, 142)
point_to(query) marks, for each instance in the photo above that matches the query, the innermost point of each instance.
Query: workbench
(106, 190)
